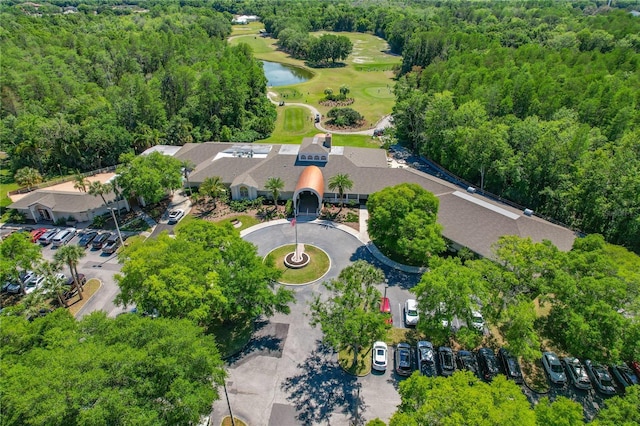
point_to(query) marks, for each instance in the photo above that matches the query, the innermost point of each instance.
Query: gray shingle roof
(62, 201)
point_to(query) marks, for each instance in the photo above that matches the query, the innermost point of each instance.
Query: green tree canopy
(17, 254)
(621, 411)
(28, 176)
(350, 317)
(274, 185)
(461, 399)
(341, 182)
(57, 371)
(402, 223)
(150, 176)
(207, 274)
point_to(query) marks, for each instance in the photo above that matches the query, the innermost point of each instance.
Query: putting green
(380, 92)
(318, 266)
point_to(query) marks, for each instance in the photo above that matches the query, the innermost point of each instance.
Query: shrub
(16, 217)
(344, 117)
(98, 222)
(288, 208)
(238, 206)
(351, 217)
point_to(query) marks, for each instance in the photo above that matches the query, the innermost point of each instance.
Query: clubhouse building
(468, 220)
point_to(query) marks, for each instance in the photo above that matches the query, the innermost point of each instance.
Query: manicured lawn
(345, 359)
(368, 74)
(75, 304)
(6, 184)
(317, 267)
(251, 28)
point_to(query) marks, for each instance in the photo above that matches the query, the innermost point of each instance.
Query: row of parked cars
(589, 375)
(106, 241)
(33, 282)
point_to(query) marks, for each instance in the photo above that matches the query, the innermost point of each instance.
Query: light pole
(224, 384)
(117, 227)
(386, 286)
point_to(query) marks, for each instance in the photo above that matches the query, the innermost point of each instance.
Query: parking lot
(286, 376)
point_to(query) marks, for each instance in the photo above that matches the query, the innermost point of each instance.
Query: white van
(63, 237)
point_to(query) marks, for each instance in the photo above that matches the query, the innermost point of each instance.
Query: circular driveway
(285, 375)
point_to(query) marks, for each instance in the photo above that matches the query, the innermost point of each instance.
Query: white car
(477, 321)
(33, 284)
(379, 356)
(176, 215)
(411, 312)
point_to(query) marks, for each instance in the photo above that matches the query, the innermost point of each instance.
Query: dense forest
(80, 89)
(537, 102)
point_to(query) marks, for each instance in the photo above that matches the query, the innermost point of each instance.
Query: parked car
(635, 366)
(553, 367)
(11, 287)
(600, 377)
(446, 361)
(510, 366)
(175, 216)
(99, 240)
(379, 361)
(385, 309)
(37, 233)
(625, 376)
(411, 312)
(317, 118)
(577, 373)
(58, 276)
(403, 359)
(81, 278)
(426, 356)
(33, 284)
(467, 360)
(111, 245)
(488, 364)
(477, 321)
(86, 238)
(63, 237)
(46, 238)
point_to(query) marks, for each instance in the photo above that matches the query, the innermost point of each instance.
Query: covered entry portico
(307, 198)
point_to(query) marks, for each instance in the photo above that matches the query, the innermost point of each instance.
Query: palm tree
(54, 282)
(275, 185)
(71, 255)
(342, 183)
(187, 168)
(28, 176)
(97, 188)
(80, 183)
(213, 188)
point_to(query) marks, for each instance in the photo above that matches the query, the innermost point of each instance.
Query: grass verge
(90, 288)
(227, 421)
(363, 367)
(317, 267)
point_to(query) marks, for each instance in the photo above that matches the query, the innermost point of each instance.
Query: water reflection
(284, 75)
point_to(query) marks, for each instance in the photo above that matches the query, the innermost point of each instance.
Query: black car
(600, 377)
(426, 356)
(446, 361)
(86, 238)
(466, 360)
(403, 359)
(625, 376)
(488, 364)
(510, 366)
(81, 278)
(99, 240)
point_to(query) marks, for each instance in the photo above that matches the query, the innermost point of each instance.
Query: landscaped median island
(317, 267)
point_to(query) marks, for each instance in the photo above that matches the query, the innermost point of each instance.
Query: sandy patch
(361, 59)
(68, 186)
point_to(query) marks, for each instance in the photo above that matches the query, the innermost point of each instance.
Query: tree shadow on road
(394, 276)
(322, 388)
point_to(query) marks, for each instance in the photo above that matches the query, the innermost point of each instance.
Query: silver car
(554, 369)
(577, 373)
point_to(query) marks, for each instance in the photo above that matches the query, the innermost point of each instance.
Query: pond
(284, 75)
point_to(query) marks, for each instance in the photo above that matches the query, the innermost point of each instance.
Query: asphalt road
(286, 376)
